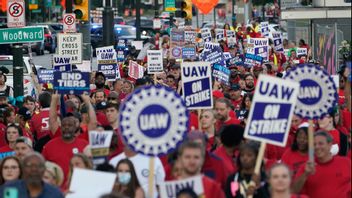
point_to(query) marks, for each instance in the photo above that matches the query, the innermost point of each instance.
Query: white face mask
(124, 177)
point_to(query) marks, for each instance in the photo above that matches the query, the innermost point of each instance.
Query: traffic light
(186, 7)
(80, 8)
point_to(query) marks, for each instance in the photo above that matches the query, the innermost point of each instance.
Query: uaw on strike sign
(196, 85)
(272, 108)
(71, 45)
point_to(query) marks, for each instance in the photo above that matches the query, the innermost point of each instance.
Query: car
(28, 68)
(50, 37)
(125, 32)
(146, 24)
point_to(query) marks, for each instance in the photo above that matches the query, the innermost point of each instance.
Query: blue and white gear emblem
(317, 93)
(153, 120)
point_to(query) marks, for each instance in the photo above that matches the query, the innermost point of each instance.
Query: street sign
(71, 45)
(16, 13)
(22, 35)
(170, 6)
(69, 22)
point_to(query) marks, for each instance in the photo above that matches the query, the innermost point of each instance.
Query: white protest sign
(260, 46)
(206, 35)
(196, 85)
(264, 28)
(272, 109)
(170, 189)
(278, 41)
(104, 49)
(220, 34)
(70, 45)
(302, 52)
(85, 66)
(137, 44)
(99, 142)
(190, 37)
(90, 183)
(107, 63)
(62, 63)
(154, 61)
(231, 38)
(135, 70)
(143, 51)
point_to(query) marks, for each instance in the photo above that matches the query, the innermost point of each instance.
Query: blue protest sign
(189, 53)
(213, 53)
(271, 111)
(196, 85)
(221, 73)
(120, 55)
(317, 92)
(62, 63)
(227, 56)
(109, 70)
(252, 60)
(153, 120)
(278, 41)
(71, 82)
(46, 75)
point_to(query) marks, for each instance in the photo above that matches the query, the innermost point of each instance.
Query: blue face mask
(124, 177)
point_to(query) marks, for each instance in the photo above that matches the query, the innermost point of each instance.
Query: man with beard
(249, 81)
(191, 156)
(60, 150)
(100, 83)
(223, 108)
(235, 96)
(31, 184)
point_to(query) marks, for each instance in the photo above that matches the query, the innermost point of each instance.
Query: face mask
(124, 178)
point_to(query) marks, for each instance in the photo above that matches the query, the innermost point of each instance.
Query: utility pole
(138, 19)
(233, 12)
(69, 7)
(108, 24)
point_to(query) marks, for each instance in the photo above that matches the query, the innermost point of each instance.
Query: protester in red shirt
(329, 176)
(235, 96)
(100, 83)
(223, 108)
(249, 82)
(12, 133)
(112, 115)
(207, 121)
(40, 122)
(231, 136)
(191, 156)
(297, 155)
(213, 165)
(23, 118)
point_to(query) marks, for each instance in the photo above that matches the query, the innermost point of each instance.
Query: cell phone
(11, 192)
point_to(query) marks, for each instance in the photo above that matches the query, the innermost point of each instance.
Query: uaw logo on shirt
(153, 120)
(317, 93)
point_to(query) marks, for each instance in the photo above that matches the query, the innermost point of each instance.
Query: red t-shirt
(220, 124)
(237, 103)
(294, 159)
(2, 135)
(6, 151)
(211, 188)
(59, 152)
(213, 168)
(228, 162)
(331, 179)
(40, 123)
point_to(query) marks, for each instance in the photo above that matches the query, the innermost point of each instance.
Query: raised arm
(92, 125)
(53, 118)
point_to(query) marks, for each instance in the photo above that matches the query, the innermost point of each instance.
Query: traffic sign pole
(17, 53)
(108, 29)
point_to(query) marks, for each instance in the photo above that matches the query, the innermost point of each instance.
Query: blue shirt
(48, 190)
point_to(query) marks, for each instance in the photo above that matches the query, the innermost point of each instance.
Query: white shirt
(141, 166)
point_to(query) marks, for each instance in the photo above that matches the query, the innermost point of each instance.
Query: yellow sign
(33, 6)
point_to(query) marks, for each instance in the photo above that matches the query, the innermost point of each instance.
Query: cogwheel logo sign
(317, 93)
(153, 120)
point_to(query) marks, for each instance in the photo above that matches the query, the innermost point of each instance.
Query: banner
(62, 63)
(271, 111)
(135, 70)
(278, 41)
(99, 142)
(190, 37)
(264, 28)
(302, 52)
(170, 189)
(221, 73)
(46, 75)
(70, 44)
(220, 34)
(177, 37)
(206, 35)
(107, 64)
(196, 85)
(154, 61)
(153, 120)
(71, 82)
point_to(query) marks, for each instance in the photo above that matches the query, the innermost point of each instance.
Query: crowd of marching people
(42, 141)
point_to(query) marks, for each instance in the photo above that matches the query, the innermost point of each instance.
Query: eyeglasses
(10, 167)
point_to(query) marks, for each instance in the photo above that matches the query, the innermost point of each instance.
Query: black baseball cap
(235, 87)
(25, 113)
